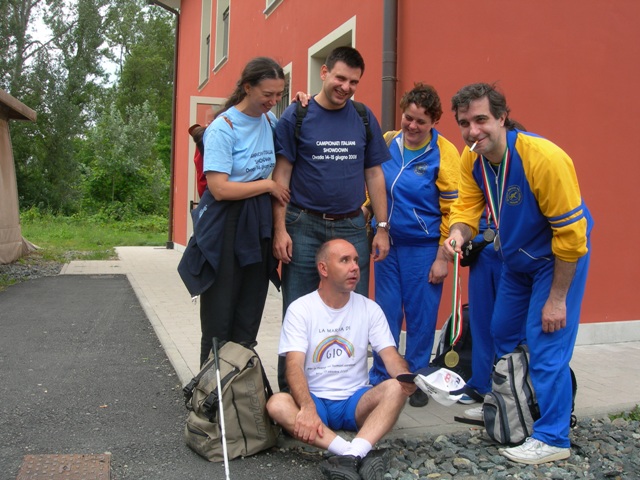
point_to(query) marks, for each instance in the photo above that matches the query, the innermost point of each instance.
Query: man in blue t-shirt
(327, 167)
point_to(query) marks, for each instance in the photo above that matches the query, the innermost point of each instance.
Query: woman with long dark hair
(233, 222)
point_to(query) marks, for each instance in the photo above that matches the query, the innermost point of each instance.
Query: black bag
(470, 252)
(462, 346)
(245, 391)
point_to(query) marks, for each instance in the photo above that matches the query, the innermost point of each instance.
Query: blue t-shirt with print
(244, 152)
(330, 157)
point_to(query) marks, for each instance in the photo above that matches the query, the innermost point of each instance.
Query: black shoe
(375, 464)
(341, 467)
(418, 399)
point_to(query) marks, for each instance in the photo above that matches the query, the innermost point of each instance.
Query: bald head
(322, 255)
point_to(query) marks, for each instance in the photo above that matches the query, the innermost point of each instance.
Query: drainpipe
(389, 64)
(172, 162)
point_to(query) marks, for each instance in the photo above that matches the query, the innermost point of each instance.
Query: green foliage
(64, 238)
(61, 239)
(124, 176)
(633, 415)
(72, 159)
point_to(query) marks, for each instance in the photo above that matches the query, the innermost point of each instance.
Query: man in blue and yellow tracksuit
(543, 228)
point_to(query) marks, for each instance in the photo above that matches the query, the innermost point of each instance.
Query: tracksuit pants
(521, 297)
(403, 291)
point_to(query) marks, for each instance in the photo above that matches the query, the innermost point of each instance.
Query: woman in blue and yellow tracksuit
(422, 182)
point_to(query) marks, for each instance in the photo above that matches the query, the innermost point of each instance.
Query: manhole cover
(65, 467)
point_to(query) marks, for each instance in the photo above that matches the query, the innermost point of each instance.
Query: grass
(62, 239)
(90, 238)
(633, 415)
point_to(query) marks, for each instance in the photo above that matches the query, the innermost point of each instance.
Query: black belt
(329, 216)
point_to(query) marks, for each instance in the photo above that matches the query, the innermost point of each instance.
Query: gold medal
(451, 358)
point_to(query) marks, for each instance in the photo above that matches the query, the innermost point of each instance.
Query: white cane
(221, 410)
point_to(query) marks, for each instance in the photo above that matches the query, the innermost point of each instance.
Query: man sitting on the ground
(325, 337)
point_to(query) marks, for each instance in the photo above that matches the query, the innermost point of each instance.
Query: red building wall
(568, 69)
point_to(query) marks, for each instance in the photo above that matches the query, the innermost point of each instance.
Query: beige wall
(10, 234)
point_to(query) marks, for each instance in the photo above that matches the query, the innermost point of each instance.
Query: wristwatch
(384, 225)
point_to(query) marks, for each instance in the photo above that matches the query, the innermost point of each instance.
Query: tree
(147, 75)
(63, 78)
(125, 176)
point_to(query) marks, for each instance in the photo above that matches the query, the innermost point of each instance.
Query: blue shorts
(340, 414)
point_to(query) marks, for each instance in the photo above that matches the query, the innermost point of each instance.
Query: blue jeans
(308, 232)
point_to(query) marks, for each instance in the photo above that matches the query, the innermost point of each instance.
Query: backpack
(245, 391)
(511, 407)
(462, 346)
(301, 112)
(197, 132)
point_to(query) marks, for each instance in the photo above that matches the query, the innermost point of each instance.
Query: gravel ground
(602, 448)
(27, 268)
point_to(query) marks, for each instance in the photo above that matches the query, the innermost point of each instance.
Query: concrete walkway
(606, 373)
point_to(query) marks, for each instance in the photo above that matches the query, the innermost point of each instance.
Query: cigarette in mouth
(473, 146)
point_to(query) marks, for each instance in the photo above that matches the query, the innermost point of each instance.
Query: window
(271, 6)
(286, 95)
(205, 41)
(344, 35)
(222, 32)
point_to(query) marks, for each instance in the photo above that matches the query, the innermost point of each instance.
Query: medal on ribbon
(451, 358)
(494, 201)
(489, 235)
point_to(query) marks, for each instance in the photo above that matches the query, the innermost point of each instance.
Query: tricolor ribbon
(495, 201)
(456, 307)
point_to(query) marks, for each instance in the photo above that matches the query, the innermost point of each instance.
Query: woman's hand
(280, 193)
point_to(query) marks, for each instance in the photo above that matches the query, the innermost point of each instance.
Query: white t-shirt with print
(335, 342)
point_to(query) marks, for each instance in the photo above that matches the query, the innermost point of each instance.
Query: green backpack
(245, 391)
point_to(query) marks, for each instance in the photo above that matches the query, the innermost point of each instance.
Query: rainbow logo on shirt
(331, 347)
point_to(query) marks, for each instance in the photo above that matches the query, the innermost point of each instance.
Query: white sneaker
(474, 414)
(535, 452)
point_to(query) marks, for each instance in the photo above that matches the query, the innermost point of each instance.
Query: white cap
(438, 385)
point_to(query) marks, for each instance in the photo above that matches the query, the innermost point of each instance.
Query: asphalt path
(82, 372)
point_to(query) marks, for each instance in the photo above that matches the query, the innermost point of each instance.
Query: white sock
(338, 446)
(359, 447)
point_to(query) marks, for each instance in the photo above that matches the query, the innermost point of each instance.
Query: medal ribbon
(495, 204)
(456, 307)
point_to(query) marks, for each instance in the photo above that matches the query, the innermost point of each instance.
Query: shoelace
(531, 444)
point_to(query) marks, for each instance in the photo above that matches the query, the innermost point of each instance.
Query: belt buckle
(326, 216)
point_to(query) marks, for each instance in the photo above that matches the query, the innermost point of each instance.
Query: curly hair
(424, 96)
(475, 91)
